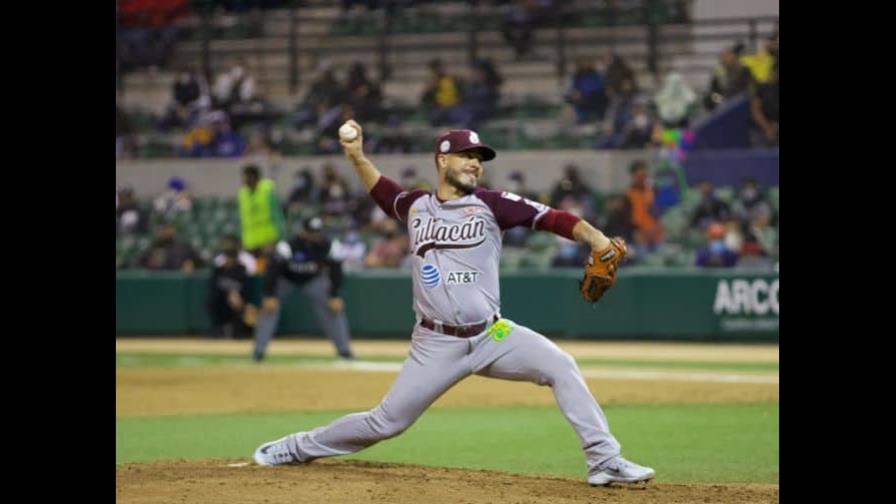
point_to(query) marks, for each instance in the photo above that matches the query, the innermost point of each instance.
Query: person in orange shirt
(648, 230)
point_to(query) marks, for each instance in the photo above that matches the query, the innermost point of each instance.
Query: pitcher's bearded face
(463, 170)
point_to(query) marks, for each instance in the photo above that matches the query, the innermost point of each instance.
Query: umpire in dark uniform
(305, 262)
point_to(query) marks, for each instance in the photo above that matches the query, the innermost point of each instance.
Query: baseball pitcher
(455, 240)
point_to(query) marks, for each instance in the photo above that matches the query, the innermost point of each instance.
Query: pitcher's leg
(432, 367)
(525, 355)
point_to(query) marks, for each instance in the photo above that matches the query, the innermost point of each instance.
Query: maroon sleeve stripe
(558, 222)
(384, 193)
(392, 199)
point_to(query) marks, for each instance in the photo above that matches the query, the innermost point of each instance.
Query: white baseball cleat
(274, 453)
(620, 470)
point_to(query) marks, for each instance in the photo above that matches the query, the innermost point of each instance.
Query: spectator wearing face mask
(710, 209)
(628, 124)
(716, 253)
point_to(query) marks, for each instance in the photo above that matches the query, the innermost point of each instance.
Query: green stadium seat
(773, 195)
(540, 242)
(726, 194)
(536, 260)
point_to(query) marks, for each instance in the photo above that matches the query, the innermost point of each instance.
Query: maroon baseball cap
(460, 140)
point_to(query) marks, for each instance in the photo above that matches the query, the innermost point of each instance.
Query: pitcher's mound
(224, 481)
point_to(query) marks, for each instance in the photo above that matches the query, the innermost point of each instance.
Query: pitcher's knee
(562, 365)
(562, 362)
(386, 427)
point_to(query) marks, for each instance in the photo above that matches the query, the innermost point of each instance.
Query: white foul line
(373, 367)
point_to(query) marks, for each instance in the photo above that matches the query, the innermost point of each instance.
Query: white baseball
(347, 133)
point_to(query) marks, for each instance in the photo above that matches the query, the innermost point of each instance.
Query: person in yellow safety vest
(261, 218)
(761, 63)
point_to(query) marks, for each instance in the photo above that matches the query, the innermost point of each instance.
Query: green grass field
(685, 443)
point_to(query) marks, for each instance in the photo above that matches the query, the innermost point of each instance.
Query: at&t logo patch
(462, 277)
(430, 276)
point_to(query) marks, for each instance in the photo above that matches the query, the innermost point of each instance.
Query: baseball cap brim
(487, 152)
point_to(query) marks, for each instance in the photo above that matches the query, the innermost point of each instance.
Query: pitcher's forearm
(586, 233)
(368, 173)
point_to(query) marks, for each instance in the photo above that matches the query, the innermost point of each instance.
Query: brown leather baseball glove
(600, 271)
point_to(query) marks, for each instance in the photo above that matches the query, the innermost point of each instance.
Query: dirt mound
(240, 481)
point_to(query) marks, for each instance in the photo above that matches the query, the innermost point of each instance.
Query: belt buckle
(438, 326)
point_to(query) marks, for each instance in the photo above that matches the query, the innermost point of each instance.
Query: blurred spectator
(411, 181)
(734, 235)
(675, 101)
(668, 190)
(261, 218)
(619, 218)
(481, 93)
(648, 232)
(176, 199)
(363, 95)
(588, 93)
(229, 309)
(393, 140)
(710, 209)
(378, 220)
(570, 254)
(752, 255)
(516, 183)
(303, 190)
(761, 63)
(130, 219)
(169, 252)
(760, 230)
(225, 141)
(716, 254)
(618, 71)
(230, 241)
(189, 97)
(764, 103)
(750, 201)
(328, 125)
(212, 136)
(627, 124)
(729, 79)
(442, 95)
(570, 184)
(388, 251)
(235, 86)
(259, 146)
(351, 250)
(325, 93)
(521, 18)
(334, 194)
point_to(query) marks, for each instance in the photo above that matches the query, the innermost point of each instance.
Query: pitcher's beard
(463, 188)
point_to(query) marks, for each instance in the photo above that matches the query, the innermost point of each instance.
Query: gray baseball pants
(436, 362)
